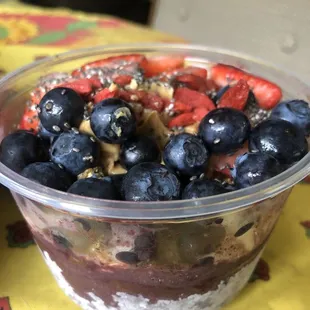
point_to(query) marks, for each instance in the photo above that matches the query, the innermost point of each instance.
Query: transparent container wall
(181, 264)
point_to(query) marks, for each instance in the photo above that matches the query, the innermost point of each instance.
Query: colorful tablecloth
(282, 278)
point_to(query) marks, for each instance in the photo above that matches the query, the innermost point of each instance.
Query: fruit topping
(267, 93)
(48, 174)
(150, 182)
(113, 121)
(280, 139)
(203, 188)
(139, 149)
(254, 168)
(186, 154)
(159, 64)
(296, 112)
(154, 129)
(235, 97)
(61, 109)
(75, 151)
(95, 188)
(21, 148)
(224, 130)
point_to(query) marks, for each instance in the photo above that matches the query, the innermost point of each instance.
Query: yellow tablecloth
(27, 33)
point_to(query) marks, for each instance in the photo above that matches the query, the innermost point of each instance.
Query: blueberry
(45, 134)
(296, 112)
(75, 151)
(203, 188)
(60, 109)
(280, 139)
(96, 188)
(254, 168)
(139, 149)
(48, 174)
(186, 154)
(150, 182)
(117, 181)
(113, 121)
(21, 148)
(224, 130)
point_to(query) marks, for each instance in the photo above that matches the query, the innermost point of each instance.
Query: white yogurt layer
(211, 300)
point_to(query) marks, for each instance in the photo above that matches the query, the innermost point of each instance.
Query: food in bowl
(145, 129)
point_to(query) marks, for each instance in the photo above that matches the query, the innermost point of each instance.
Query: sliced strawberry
(236, 96)
(267, 93)
(152, 101)
(182, 120)
(211, 86)
(194, 98)
(122, 80)
(201, 72)
(30, 119)
(179, 106)
(104, 94)
(147, 99)
(190, 81)
(159, 64)
(131, 95)
(82, 86)
(223, 163)
(115, 61)
(200, 113)
(95, 82)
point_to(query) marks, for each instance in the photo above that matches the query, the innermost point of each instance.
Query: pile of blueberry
(59, 153)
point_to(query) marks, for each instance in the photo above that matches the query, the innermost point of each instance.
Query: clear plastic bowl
(179, 255)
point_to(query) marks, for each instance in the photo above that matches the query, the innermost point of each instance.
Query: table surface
(281, 280)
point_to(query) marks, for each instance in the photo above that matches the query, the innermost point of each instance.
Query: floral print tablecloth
(282, 278)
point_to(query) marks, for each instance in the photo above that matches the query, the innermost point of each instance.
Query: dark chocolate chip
(144, 241)
(62, 241)
(219, 221)
(84, 223)
(145, 246)
(205, 261)
(244, 229)
(127, 257)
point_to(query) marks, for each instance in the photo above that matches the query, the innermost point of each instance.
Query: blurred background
(277, 31)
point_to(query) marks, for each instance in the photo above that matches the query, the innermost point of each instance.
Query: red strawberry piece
(131, 95)
(179, 106)
(193, 98)
(200, 113)
(201, 72)
(223, 163)
(30, 119)
(122, 80)
(152, 101)
(115, 61)
(211, 86)
(236, 96)
(182, 120)
(190, 81)
(83, 86)
(95, 82)
(267, 93)
(104, 94)
(159, 64)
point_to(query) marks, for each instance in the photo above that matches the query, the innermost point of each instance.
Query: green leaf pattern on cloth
(49, 37)
(80, 25)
